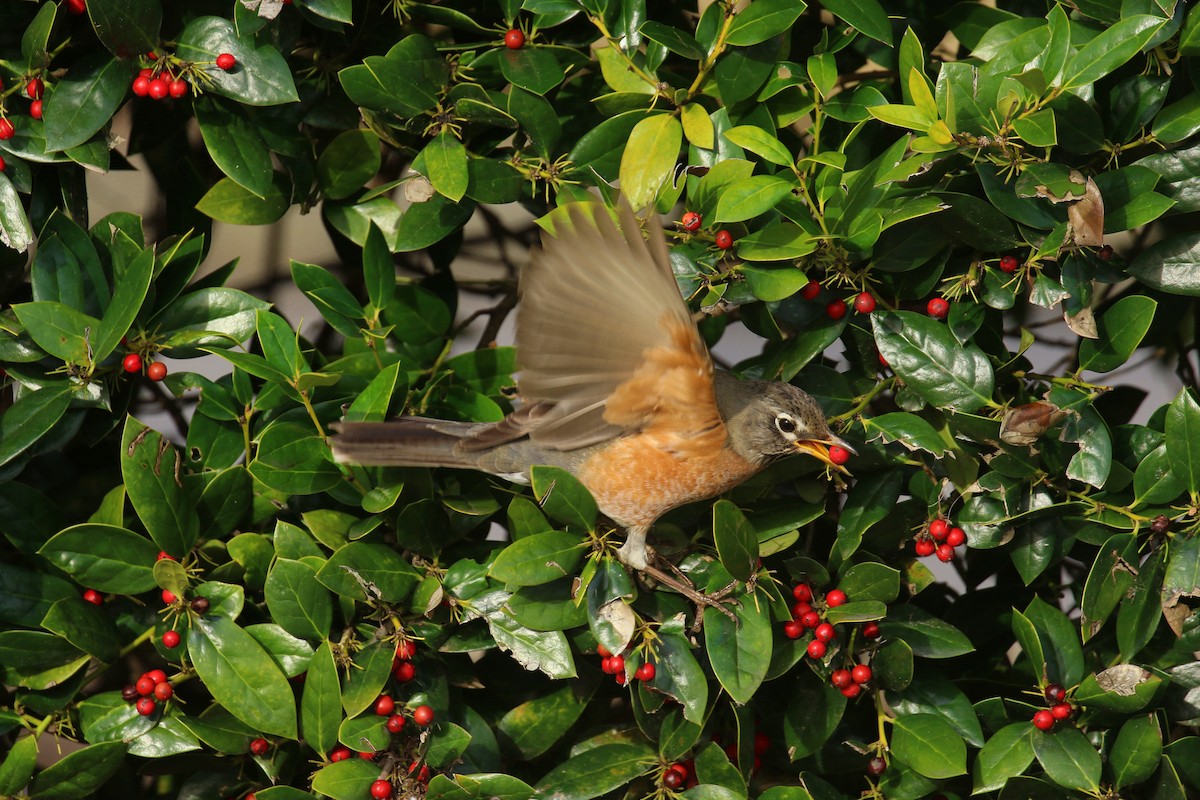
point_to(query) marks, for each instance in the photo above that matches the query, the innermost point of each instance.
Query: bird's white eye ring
(785, 424)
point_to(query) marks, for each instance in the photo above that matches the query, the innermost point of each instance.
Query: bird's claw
(720, 599)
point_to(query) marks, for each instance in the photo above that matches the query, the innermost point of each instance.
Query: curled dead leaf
(1123, 679)
(1025, 424)
(1086, 217)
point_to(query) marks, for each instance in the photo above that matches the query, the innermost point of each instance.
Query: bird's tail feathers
(404, 442)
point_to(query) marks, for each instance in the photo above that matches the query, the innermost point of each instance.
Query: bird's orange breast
(636, 479)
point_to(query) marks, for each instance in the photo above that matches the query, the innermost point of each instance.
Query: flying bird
(617, 388)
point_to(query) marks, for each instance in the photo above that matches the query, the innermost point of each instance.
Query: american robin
(618, 389)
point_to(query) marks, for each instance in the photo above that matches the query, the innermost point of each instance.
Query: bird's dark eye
(785, 424)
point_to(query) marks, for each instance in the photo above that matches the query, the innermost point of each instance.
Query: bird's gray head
(771, 419)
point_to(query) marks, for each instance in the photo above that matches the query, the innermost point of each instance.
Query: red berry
(132, 363)
(616, 665)
(171, 639)
(870, 630)
(6, 129)
(385, 705)
(1105, 252)
(793, 629)
(724, 240)
(835, 597)
(129, 693)
(157, 675)
(938, 529)
(395, 723)
(405, 671)
(620, 678)
(825, 632)
(864, 303)
(1062, 711)
(691, 221)
(1009, 264)
(925, 547)
(876, 766)
(672, 779)
(423, 715)
(841, 678)
(937, 308)
(259, 746)
(810, 290)
(77, 7)
(365, 756)
(381, 789)
(35, 89)
(645, 672)
(945, 553)
(163, 691)
(177, 87)
(168, 596)
(811, 620)
(955, 537)
(800, 609)
(153, 56)
(514, 39)
(1043, 720)
(161, 553)
(838, 455)
(339, 753)
(816, 649)
(2, 165)
(603, 651)
(226, 61)
(1055, 693)
(145, 686)
(405, 650)
(852, 691)
(801, 592)
(93, 597)
(157, 89)
(681, 768)
(835, 309)
(146, 72)
(146, 706)
(861, 673)
(35, 109)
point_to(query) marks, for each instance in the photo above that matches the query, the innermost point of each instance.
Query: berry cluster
(155, 370)
(680, 775)
(157, 84)
(1059, 711)
(403, 669)
(850, 681)
(615, 665)
(807, 617)
(863, 302)
(940, 538)
(148, 691)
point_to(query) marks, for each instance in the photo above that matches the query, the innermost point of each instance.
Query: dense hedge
(955, 169)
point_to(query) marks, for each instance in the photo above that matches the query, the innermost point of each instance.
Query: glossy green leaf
(928, 636)
(1136, 752)
(85, 100)
(759, 142)
(230, 201)
(532, 68)
(446, 160)
(1112, 48)
(126, 27)
(58, 329)
(929, 745)
(763, 19)
(1183, 440)
(910, 430)
(235, 145)
(1109, 579)
(241, 675)
(562, 497)
(81, 773)
(152, 469)
(538, 559)
(868, 505)
(740, 651)
(649, 157)
(104, 557)
(596, 771)
(536, 725)
(260, 77)
(782, 241)
(25, 422)
(346, 780)
(750, 198)
(360, 570)
(866, 16)
(1121, 329)
(1007, 754)
(1068, 758)
(814, 709)
(1169, 265)
(18, 765)
(736, 540)
(929, 359)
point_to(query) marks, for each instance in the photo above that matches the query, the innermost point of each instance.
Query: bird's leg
(635, 553)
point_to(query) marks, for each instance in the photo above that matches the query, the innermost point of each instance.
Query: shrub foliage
(912, 151)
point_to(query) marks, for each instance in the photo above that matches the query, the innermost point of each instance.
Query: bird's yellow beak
(819, 449)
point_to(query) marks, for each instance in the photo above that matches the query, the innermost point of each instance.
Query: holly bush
(907, 205)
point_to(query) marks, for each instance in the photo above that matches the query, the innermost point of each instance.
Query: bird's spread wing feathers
(605, 343)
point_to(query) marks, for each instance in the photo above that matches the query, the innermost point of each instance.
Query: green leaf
(763, 19)
(405, 82)
(1135, 753)
(866, 16)
(814, 710)
(346, 780)
(128, 296)
(928, 636)
(261, 76)
(910, 430)
(1183, 440)
(562, 497)
(677, 41)
(750, 198)
(60, 330)
(293, 459)
(1068, 758)
(537, 559)
(534, 69)
(85, 100)
(298, 603)
(15, 230)
(649, 157)
(680, 676)
(1060, 642)
(230, 201)
(929, 745)
(1109, 50)
(153, 473)
(126, 27)
(235, 144)
(781, 241)
(1141, 611)
(1170, 265)
(446, 160)
(1108, 581)
(534, 726)
(1120, 330)
(869, 503)
(596, 771)
(1007, 754)
(241, 675)
(28, 419)
(1178, 121)
(870, 580)
(348, 162)
(362, 570)
(739, 651)
(208, 317)
(760, 142)
(367, 676)
(1038, 129)
(926, 355)
(81, 773)
(104, 557)
(736, 540)
(21, 759)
